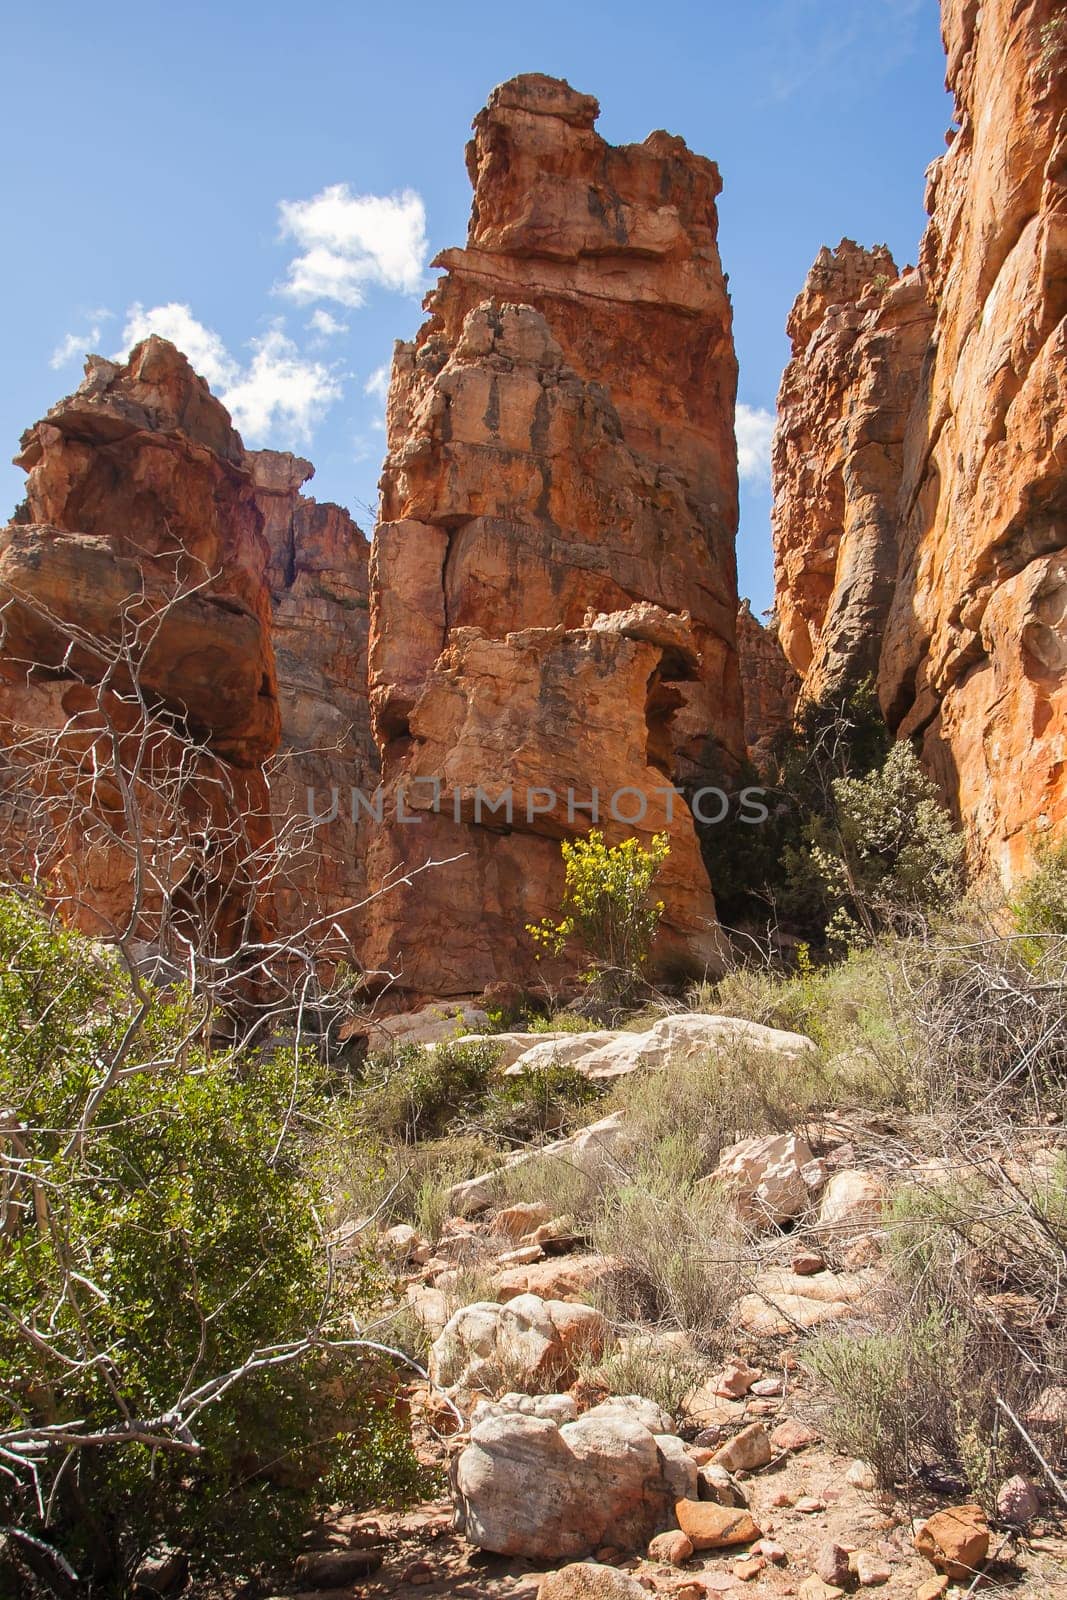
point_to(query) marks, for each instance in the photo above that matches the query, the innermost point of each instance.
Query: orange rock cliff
(920, 461)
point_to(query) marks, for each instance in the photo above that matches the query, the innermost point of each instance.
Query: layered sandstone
(138, 698)
(553, 587)
(770, 688)
(164, 588)
(953, 586)
(317, 575)
(859, 333)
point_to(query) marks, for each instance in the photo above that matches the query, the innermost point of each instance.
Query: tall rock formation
(859, 333)
(935, 556)
(770, 688)
(553, 583)
(317, 574)
(156, 557)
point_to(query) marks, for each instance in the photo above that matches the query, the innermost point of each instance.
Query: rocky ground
(562, 1488)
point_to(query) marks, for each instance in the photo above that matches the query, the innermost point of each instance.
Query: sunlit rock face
(933, 558)
(560, 450)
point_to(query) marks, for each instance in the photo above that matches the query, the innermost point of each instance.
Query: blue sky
(267, 182)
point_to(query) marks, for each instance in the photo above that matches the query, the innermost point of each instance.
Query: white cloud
(176, 322)
(348, 241)
(325, 325)
(754, 427)
(279, 395)
(75, 346)
(378, 382)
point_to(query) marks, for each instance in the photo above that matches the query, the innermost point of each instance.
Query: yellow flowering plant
(607, 906)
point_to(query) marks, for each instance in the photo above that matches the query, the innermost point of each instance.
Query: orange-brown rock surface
(149, 532)
(953, 585)
(318, 580)
(135, 610)
(553, 585)
(770, 687)
(859, 333)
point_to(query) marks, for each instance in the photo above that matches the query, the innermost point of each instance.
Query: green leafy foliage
(159, 1226)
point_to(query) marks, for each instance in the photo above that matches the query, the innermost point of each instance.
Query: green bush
(416, 1094)
(890, 849)
(159, 1227)
(1039, 909)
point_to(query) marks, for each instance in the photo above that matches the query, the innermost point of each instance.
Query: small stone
(933, 1588)
(515, 1221)
(1017, 1501)
(736, 1380)
(715, 1483)
(767, 1386)
(418, 1572)
(814, 1588)
(809, 1504)
(832, 1564)
(747, 1451)
(793, 1435)
(955, 1541)
(782, 1498)
(771, 1551)
(806, 1263)
(589, 1580)
(336, 1569)
(673, 1548)
(870, 1570)
(522, 1257)
(861, 1475)
(749, 1568)
(713, 1527)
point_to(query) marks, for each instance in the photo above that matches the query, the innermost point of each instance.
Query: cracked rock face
(921, 456)
(560, 456)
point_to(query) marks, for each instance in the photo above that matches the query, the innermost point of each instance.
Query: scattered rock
(792, 1434)
(714, 1527)
(159, 1576)
(932, 1589)
(586, 1151)
(736, 1379)
(861, 1475)
(747, 1451)
(771, 1179)
(851, 1202)
(780, 1302)
(815, 1588)
(807, 1262)
(541, 1340)
(748, 1568)
(765, 1387)
(524, 1487)
(587, 1580)
(772, 1551)
(715, 1483)
(956, 1540)
(871, 1571)
(402, 1243)
(674, 1038)
(832, 1564)
(809, 1504)
(335, 1569)
(1017, 1501)
(516, 1221)
(674, 1548)
(562, 1278)
(558, 1408)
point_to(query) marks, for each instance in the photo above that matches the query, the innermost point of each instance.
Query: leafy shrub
(1039, 909)
(158, 1229)
(607, 910)
(415, 1094)
(891, 848)
(537, 1105)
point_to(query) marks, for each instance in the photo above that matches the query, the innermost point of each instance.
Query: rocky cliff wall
(933, 555)
(560, 452)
